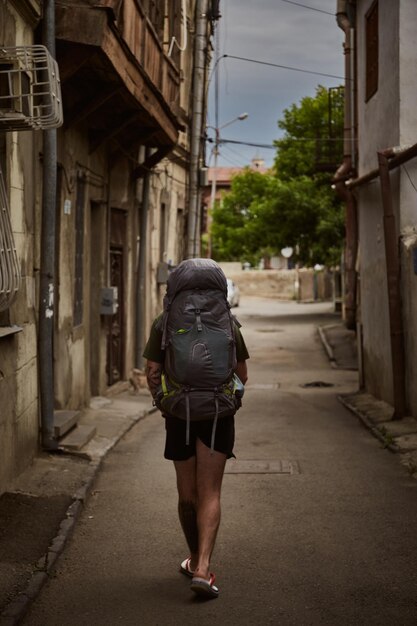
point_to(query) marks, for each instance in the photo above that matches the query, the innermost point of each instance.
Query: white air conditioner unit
(30, 89)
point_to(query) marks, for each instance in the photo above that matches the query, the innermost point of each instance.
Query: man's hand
(153, 376)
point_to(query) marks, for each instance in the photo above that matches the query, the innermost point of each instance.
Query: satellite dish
(287, 252)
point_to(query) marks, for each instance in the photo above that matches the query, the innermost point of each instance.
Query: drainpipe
(193, 248)
(141, 270)
(393, 265)
(47, 261)
(346, 168)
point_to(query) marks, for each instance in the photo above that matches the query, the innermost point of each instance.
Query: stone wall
(303, 285)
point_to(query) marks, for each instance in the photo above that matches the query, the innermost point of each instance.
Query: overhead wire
(305, 6)
(241, 159)
(409, 177)
(284, 67)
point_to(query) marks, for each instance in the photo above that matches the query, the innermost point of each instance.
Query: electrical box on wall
(108, 301)
(162, 273)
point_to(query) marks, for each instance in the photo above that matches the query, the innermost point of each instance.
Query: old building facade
(123, 170)
(379, 183)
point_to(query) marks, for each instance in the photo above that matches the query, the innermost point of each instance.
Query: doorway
(116, 331)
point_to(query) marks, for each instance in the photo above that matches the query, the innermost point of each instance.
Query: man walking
(196, 369)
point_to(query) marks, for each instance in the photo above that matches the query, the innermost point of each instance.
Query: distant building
(223, 181)
(223, 177)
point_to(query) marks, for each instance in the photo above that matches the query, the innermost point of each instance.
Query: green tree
(294, 204)
(312, 144)
(236, 220)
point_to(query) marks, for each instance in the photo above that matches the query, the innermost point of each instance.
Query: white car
(233, 293)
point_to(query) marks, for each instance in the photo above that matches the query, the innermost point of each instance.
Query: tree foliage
(292, 205)
(312, 140)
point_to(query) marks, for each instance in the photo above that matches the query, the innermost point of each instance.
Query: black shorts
(176, 448)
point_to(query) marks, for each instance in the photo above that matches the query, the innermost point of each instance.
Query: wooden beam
(91, 106)
(139, 140)
(149, 163)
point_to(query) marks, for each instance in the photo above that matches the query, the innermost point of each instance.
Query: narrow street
(319, 531)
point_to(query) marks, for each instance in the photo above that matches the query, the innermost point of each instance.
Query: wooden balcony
(115, 75)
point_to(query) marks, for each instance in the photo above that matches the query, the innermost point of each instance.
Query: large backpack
(198, 337)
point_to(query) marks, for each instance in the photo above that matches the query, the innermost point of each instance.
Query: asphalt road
(330, 537)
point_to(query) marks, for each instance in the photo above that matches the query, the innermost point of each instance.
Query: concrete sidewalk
(39, 513)
(397, 435)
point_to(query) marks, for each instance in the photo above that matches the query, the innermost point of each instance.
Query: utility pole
(47, 278)
(199, 73)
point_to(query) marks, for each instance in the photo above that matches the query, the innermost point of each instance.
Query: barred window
(9, 263)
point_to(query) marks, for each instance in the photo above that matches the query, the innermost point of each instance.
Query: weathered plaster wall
(81, 351)
(374, 304)
(408, 194)
(378, 118)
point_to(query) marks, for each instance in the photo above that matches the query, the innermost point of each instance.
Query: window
(371, 34)
(181, 234)
(162, 233)
(177, 24)
(79, 251)
(155, 10)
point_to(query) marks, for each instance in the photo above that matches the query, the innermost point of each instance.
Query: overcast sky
(278, 32)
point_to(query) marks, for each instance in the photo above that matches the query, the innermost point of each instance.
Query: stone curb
(392, 447)
(15, 611)
(327, 346)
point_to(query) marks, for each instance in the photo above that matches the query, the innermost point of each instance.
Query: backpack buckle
(198, 318)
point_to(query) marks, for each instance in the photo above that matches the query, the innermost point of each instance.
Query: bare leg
(209, 476)
(187, 504)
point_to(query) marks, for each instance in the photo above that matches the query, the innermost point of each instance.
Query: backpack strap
(187, 409)
(164, 322)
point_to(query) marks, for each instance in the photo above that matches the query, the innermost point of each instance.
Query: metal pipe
(351, 221)
(393, 264)
(193, 247)
(397, 156)
(47, 262)
(141, 269)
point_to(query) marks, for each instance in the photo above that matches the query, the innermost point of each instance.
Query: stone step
(64, 421)
(78, 437)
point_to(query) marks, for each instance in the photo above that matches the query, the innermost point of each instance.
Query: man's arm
(242, 371)
(153, 376)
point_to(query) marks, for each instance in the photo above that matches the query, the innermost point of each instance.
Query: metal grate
(30, 91)
(277, 466)
(9, 265)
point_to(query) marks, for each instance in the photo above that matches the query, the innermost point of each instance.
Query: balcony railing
(102, 44)
(140, 36)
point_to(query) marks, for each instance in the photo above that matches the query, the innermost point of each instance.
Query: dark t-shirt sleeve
(153, 350)
(241, 350)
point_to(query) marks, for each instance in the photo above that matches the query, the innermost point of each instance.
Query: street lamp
(217, 142)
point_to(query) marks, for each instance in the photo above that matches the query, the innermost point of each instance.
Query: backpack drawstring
(213, 432)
